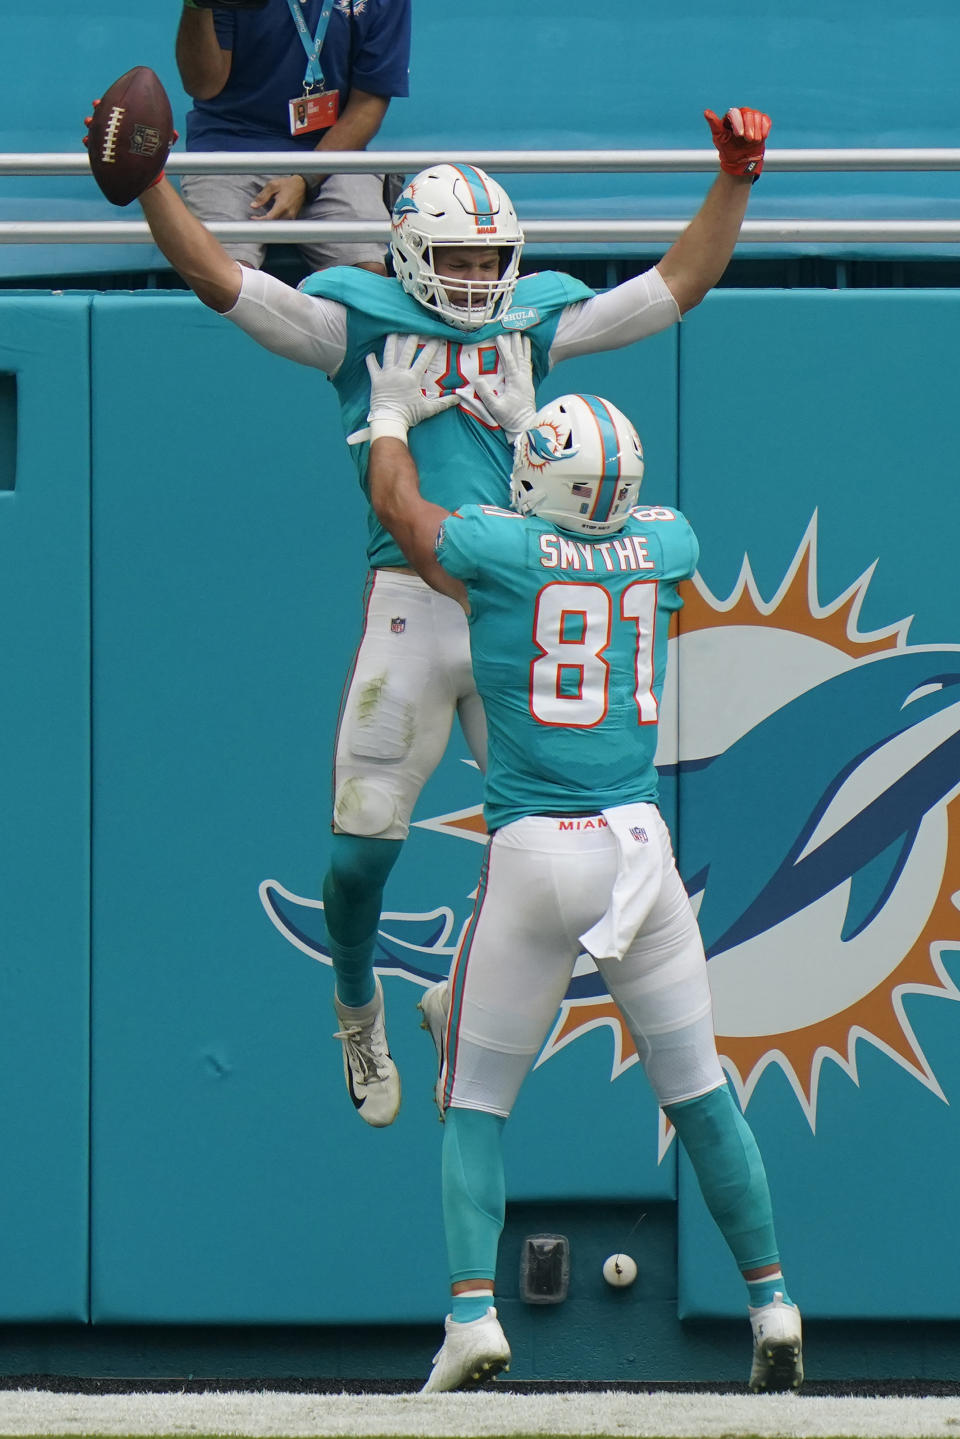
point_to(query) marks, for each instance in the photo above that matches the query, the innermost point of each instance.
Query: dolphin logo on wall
(849, 809)
(417, 946)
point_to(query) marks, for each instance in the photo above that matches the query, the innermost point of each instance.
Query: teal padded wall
(45, 801)
(227, 1163)
(819, 735)
(813, 433)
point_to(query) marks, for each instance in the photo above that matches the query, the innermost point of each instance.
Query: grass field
(654, 1415)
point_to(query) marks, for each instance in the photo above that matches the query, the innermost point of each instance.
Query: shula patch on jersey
(520, 319)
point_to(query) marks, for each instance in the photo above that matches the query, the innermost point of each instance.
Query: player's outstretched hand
(740, 137)
(509, 397)
(397, 402)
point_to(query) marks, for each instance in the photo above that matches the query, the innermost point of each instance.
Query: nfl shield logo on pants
(398, 625)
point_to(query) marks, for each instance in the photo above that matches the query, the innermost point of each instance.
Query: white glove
(396, 399)
(513, 403)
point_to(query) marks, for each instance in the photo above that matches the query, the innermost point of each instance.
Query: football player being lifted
(455, 245)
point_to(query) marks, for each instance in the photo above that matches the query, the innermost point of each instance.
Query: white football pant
(545, 882)
(410, 677)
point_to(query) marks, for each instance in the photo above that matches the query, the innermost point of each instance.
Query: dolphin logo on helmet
(405, 205)
(580, 467)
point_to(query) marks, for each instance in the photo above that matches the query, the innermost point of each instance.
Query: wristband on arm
(382, 428)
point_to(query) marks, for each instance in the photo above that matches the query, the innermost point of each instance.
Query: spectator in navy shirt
(259, 83)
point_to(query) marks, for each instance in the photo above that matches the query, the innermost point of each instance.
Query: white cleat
(470, 1356)
(372, 1080)
(435, 1007)
(777, 1347)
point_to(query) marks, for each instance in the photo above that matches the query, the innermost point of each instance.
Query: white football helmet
(580, 467)
(455, 205)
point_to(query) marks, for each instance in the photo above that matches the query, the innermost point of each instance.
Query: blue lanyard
(313, 46)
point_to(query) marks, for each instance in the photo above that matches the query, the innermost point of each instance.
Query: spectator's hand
(280, 199)
(396, 400)
(739, 138)
(509, 397)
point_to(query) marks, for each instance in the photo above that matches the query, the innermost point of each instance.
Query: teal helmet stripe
(607, 491)
(482, 203)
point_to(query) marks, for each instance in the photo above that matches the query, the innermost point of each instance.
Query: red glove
(739, 138)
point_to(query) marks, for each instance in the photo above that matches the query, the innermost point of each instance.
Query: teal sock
(469, 1306)
(730, 1172)
(473, 1191)
(761, 1291)
(353, 967)
(352, 901)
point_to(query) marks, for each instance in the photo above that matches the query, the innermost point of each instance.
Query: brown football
(130, 135)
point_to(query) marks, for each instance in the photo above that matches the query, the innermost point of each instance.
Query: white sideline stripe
(675, 1416)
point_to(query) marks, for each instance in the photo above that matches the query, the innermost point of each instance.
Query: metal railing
(546, 162)
(581, 232)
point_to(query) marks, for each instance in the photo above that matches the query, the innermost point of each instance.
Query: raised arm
(697, 259)
(126, 170)
(194, 253)
(655, 300)
(305, 328)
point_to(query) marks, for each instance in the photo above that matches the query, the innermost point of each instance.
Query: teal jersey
(462, 455)
(568, 637)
